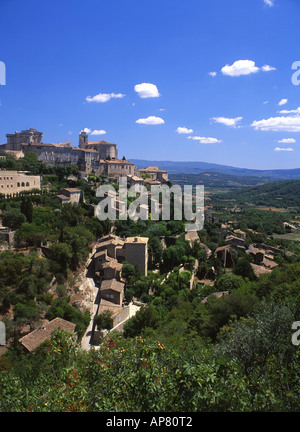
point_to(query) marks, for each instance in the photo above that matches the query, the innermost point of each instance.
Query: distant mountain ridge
(202, 167)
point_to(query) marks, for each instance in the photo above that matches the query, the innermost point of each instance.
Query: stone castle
(98, 157)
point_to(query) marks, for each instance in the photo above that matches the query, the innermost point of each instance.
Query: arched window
(23, 184)
(27, 183)
(18, 184)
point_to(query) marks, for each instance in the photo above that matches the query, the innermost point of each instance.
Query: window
(27, 184)
(18, 184)
(23, 184)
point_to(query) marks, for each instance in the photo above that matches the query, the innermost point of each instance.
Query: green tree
(13, 218)
(104, 320)
(27, 208)
(147, 316)
(62, 254)
(31, 234)
(243, 268)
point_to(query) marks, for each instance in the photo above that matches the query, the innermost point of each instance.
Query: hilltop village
(138, 300)
(104, 281)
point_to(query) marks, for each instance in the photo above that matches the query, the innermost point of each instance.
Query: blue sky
(164, 79)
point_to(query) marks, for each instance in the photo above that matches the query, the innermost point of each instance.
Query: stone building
(156, 174)
(113, 291)
(136, 253)
(106, 267)
(70, 195)
(34, 339)
(7, 235)
(29, 136)
(100, 157)
(132, 249)
(12, 182)
(115, 168)
(103, 148)
(227, 255)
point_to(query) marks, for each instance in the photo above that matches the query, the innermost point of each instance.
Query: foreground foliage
(144, 375)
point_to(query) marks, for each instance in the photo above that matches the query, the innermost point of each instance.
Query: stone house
(112, 290)
(157, 175)
(34, 339)
(73, 196)
(236, 241)
(226, 255)
(132, 249)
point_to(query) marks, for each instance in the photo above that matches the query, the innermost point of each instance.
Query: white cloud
(295, 111)
(283, 149)
(287, 141)
(282, 102)
(104, 97)
(240, 67)
(269, 3)
(98, 132)
(244, 67)
(283, 124)
(205, 140)
(151, 120)
(213, 74)
(268, 68)
(184, 130)
(86, 130)
(146, 90)
(228, 121)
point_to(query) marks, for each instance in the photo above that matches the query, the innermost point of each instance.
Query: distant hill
(281, 194)
(220, 181)
(204, 167)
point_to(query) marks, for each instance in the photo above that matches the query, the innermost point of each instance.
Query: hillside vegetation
(279, 194)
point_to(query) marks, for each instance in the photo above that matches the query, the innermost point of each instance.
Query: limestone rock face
(84, 298)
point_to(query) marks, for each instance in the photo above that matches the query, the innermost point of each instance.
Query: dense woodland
(177, 353)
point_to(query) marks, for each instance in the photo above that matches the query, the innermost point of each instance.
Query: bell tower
(83, 140)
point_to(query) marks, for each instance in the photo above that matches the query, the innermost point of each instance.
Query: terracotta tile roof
(112, 284)
(232, 238)
(63, 197)
(259, 270)
(38, 336)
(152, 182)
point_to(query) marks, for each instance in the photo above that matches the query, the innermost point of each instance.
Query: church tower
(83, 140)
